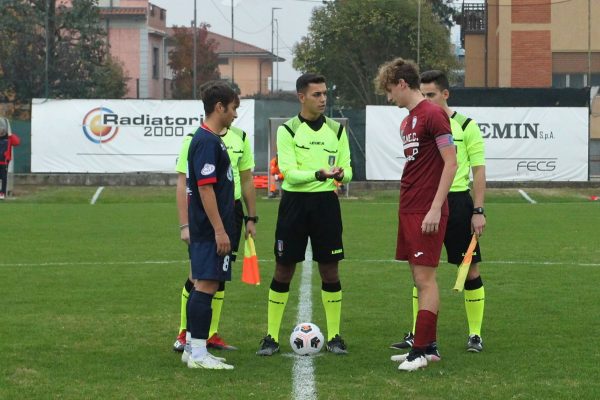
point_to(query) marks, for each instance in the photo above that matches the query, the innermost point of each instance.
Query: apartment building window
(223, 61)
(559, 81)
(155, 64)
(162, 14)
(571, 80)
(577, 80)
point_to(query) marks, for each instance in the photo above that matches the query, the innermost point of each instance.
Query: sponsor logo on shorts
(418, 254)
(337, 251)
(207, 169)
(280, 248)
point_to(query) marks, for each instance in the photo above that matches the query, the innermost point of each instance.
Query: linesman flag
(463, 269)
(250, 271)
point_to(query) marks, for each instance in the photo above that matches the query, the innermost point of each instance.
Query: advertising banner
(521, 144)
(116, 136)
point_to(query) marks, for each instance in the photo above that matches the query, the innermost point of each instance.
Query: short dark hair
(437, 77)
(214, 92)
(306, 79)
(391, 72)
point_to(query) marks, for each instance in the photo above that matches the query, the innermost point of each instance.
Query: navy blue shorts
(207, 264)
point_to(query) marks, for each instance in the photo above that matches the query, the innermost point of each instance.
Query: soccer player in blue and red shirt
(423, 211)
(211, 217)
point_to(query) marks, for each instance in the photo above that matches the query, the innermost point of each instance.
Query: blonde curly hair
(392, 71)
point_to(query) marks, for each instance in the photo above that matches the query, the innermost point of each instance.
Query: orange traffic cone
(250, 271)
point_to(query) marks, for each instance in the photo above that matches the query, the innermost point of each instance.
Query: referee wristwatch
(478, 210)
(253, 219)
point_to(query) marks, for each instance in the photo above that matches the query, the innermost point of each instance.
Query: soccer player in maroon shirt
(423, 211)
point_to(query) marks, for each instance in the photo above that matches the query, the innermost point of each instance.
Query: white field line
(60, 264)
(303, 372)
(354, 260)
(96, 195)
(526, 196)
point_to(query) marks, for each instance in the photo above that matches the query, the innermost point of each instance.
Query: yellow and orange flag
(463, 269)
(250, 271)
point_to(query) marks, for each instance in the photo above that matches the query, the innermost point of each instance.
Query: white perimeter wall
(522, 144)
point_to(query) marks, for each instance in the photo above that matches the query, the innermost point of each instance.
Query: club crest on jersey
(331, 161)
(403, 125)
(414, 122)
(207, 169)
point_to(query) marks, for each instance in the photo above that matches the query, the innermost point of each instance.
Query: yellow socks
(331, 294)
(277, 302)
(415, 307)
(474, 305)
(185, 294)
(217, 306)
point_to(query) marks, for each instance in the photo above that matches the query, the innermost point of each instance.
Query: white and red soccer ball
(306, 339)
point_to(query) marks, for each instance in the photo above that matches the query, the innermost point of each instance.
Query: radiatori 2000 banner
(100, 136)
(521, 144)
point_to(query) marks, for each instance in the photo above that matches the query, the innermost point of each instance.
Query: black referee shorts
(239, 223)
(458, 231)
(303, 215)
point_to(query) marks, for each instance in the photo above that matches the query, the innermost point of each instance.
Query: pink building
(138, 38)
(137, 32)
(248, 65)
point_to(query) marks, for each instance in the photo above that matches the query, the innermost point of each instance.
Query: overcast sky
(252, 24)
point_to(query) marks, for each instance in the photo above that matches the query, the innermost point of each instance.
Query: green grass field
(90, 300)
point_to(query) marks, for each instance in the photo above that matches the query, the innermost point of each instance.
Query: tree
(349, 39)
(79, 65)
(181, 60)
(444, 11)
(82, 66)
(21, 51)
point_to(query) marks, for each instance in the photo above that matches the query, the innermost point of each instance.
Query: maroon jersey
(424, 163)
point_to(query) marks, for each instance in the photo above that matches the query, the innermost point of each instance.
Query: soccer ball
(306, 339)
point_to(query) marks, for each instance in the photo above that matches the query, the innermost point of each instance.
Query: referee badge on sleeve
(331, 161)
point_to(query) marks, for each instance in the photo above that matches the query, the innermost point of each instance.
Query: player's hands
(276, 178)
(250, 229)
(478, 224)
(431, 222)
(223, 243)
(326, 174)
(185, 234)
(338, 173)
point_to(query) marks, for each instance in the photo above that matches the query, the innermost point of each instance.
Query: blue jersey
(209, 164)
